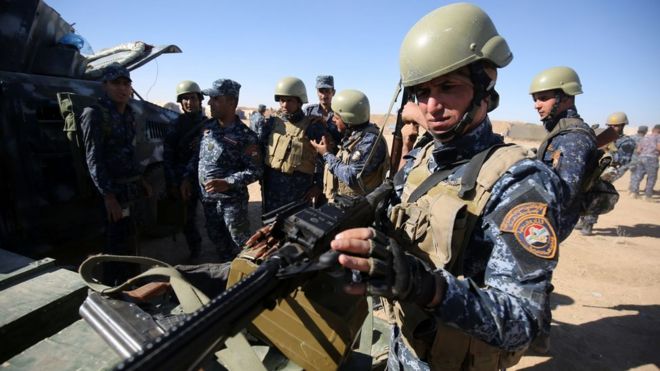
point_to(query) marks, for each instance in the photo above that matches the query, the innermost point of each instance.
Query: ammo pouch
(127, 323)
(314, 326)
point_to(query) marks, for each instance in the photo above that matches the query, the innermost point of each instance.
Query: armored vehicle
(47, 201)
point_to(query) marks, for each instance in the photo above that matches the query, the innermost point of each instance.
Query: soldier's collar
(466, 146)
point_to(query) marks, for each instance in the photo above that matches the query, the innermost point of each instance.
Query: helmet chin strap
(483, 86)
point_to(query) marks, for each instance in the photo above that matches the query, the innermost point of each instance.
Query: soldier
(570, 146)
(258, 117)
(322, 111)
(569, 149)
(109, 134)
(647, 151)
(291, 172)
(348, 173)
(487, 213)
(621, 151)
(228, 160)
(181, 144)
(641, 132)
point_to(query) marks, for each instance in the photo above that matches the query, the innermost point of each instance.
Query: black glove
(395, 274)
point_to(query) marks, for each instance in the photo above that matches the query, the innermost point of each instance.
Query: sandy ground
(606, 303)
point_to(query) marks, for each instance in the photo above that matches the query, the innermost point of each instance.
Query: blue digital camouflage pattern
(635, 158)
(176, 156)
(279, 188)
(578, 152)
(315, 110)
(115, 71)
(325, 81)
(110, 149)
(227, 224)
(501, 301)
(647, 165)
(110, 154)
(347, 173)
(231, 153)
(256, 120)
(625, 147)
(223, 87)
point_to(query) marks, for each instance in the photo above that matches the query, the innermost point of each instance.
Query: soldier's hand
(185, 189)
(390, 271)
(112, 208)
(216, 186)
(320, 146)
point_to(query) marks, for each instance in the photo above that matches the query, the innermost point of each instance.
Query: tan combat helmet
(187, 86)
(557, 78)
(617, 118)
(352, 106)
(447, 39)
(291, 87)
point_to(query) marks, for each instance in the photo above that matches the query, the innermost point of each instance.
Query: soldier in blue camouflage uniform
(621, 151)
(291, 172)
(109, 134)
(228, 160)
(322, 111)
(181, 144)
(570, 147)
(347, 173)
(498, 228)
(647, 151)
(258, 118)
(623, 148)
(641, 132)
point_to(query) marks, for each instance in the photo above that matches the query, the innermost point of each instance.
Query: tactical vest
(565, 125)
(289, 149)
(332, 186)
(439, 225)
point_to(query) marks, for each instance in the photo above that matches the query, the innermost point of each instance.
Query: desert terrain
(606, 303)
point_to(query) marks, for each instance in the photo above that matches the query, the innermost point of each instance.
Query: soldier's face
(119, 90)
(289, 105)
(618, 129)
(325, 95)
(341, 125)
(443, 101)
(221, 106)
(190, 102)
(543, 102)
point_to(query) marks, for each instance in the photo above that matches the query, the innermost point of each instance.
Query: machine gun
(304, 235)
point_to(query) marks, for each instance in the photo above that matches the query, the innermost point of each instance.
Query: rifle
(397, 140)
(305, 234)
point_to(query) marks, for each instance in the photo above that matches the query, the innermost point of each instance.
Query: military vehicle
(47, 201)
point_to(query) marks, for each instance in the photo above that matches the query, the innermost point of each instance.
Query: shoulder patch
(528, 223)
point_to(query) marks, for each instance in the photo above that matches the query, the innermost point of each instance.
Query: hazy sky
(613, 45)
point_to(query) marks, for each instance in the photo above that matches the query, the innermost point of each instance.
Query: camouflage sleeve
(573, 153)
(315, 132)
(92, 129)
(263, 128)
(507, 312)
(190, 171)
(625, 150)
(170, 153)
(252, 168)
(348, 173)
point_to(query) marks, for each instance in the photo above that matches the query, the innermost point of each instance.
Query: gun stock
(308, 233)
